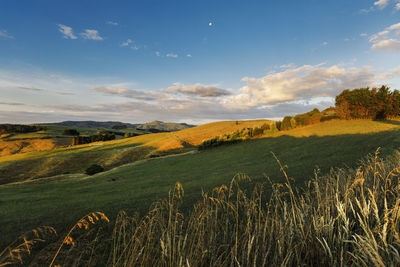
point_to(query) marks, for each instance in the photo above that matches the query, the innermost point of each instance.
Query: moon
(210, 24)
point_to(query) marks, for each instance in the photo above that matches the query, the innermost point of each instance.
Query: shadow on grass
(391, 122)
(60, 204)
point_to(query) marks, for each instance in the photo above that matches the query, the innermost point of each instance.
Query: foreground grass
(349, 217)
(134, 187)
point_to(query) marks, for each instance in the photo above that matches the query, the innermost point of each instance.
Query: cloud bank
(288, 91)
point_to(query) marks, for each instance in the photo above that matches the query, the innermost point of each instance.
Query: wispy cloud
(30, 88)
(363, 34)
(12, 104)
(189, 55)
(5, 35)
(158, 54)
(288, 66)
(325, 43)
(67, 31)
(112, 23)
(65, 93)
(172, 55)
(199, 89)
(125, 92)
(381, 4)
(387, 40)
(91, 35)
(134, 47)
(126, 43)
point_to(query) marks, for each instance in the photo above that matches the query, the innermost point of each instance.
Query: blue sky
(190, 61)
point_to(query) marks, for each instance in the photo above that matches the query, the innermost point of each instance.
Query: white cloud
(386, 40)
(67, 31)
(325, 43)
(92, 35)
(363, 34)
(396, 28)
(134, 47)
(284, 92)
(387, 45)
(381, 4)
(199, 89)
(171, 55)
(301, 83)
(397, 7)
(158, 54)
(127, 42)
(112, 23)
(189, 55)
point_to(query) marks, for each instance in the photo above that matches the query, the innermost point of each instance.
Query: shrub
(70, 132)
(330, 117)
(278, 125)
(93, 169)
(286, 123)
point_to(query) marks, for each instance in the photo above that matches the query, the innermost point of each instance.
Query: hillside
(135, 186)
(158, 125)
(164, 126)
(19, 167)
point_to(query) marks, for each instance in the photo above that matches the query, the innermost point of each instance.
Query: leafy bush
(330, 117)
(375, 103)
(287, 123)
(70, 132)
(127, 135)
(93, 169)
(308, 118)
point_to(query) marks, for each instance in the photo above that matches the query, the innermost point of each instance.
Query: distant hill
(164, 126)
(154, 125)
(92, 124)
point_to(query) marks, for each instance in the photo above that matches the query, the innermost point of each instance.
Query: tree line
(366, 103)
(19, 128)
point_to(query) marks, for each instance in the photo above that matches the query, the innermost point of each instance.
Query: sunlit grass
(348, 217)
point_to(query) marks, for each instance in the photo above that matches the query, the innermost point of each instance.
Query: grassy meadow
(65, 160)
(61, 200)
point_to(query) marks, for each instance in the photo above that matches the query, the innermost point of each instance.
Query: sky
(190, 61)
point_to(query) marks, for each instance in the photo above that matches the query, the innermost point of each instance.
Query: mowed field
(61, 200)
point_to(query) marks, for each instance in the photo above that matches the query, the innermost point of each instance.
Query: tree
(93, 169)
(73, 132)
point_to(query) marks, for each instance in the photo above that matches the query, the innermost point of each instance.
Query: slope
(60, 201)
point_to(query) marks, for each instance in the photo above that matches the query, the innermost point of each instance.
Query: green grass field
(61, 200)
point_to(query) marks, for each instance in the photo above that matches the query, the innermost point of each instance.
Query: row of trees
(366, 103)
(85, 139)
(238, 136)
(311, 117)
(18, 128)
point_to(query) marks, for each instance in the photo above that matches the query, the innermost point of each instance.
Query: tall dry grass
(347, 217)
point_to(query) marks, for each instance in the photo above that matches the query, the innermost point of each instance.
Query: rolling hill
(64, 160)
(158, 125)
(62, 199)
